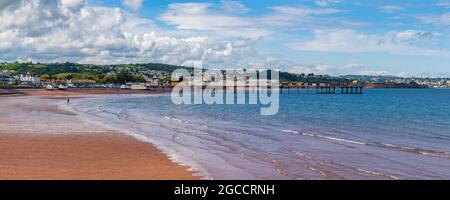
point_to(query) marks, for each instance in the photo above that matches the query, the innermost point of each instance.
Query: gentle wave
(415, 150)
(378, 173)
(325, 137)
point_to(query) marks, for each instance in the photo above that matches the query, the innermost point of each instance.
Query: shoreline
(40, 141)
(87, 91)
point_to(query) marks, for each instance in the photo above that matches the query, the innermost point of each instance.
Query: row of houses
(7, 80)
(35, 81)
(302, 84)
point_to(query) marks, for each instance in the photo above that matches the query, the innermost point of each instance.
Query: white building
(28, 80)
(138, 87)
(5, 79)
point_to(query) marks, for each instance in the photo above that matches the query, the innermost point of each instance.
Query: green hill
(125, 72)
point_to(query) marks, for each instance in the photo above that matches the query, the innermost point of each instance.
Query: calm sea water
(382, 134)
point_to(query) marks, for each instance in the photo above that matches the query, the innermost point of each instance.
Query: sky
(336, 37)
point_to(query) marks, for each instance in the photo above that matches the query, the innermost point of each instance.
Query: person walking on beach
(68, 101)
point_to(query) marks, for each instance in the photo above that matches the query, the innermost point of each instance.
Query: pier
(322, 88)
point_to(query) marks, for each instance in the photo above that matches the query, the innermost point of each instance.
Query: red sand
(28, 153)
(84, 157)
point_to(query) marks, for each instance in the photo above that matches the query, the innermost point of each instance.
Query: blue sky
(405, 38)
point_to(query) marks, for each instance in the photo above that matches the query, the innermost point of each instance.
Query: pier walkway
(323, 88)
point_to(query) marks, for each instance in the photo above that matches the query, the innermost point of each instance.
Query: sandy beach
(75, 92)
(40, 141)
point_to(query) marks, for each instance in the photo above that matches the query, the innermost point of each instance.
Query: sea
(380, 134)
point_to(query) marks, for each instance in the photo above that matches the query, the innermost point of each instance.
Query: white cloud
(354, 66)
(373, 72)
(303, 11)
(324, 3)
(411, 36)
(234, 6)
(391, 8)
(316, 69)
(206, 17)
(72, 3)
(298, 67)
(443, 19)
(364, 69)
(71, 30)
(444, 3)
(196, 16)
(408, 42)
(134, 4)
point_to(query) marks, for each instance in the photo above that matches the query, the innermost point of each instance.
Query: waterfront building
(28, 80)
(5, 80)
